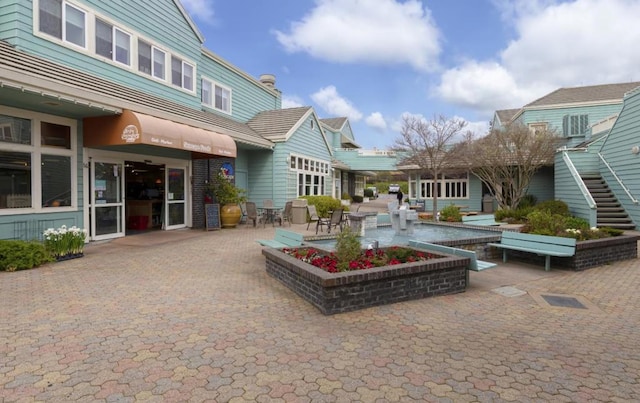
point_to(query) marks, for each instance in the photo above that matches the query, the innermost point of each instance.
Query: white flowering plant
(64, 242)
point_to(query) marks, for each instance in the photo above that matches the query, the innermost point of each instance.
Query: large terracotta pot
(230, 215)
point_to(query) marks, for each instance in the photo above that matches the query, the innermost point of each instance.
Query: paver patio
(192, 316)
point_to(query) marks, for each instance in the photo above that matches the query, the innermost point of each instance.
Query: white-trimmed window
(575, 125)
(151, 60)
(311, 175)
(37, 162)
(538, 127)
(450, 186)
(63, 21)
(216, 96)
(75, 27)
(181, 73)
(112, 42)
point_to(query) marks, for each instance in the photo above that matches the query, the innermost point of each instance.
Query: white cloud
(483, 86)
(558, 44)
(291, 101)
(200, 9)
(370, 31)
(331, 102)
(376, 121)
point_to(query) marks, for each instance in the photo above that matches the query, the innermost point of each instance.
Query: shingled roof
(505, 115)
(334, 123)
(592, 93)
(275, 124)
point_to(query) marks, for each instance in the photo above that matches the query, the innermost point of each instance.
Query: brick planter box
(348, 291)
(592, 253)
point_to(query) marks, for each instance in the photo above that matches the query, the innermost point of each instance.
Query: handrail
(626, 190)
(578, 180)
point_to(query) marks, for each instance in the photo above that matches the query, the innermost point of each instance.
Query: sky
(375, 61)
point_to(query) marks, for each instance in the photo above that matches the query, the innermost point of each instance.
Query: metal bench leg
(547, 263)
(504, 256)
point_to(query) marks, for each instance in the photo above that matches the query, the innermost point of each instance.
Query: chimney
(269, 80)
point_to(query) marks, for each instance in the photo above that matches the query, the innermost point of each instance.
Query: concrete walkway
(192, 316)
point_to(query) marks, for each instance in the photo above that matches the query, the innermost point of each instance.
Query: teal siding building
(594, 170)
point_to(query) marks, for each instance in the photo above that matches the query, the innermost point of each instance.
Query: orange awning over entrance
(137, 128)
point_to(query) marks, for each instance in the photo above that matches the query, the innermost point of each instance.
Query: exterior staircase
(610, 211)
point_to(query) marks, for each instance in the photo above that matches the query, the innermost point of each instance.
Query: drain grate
(564, 302)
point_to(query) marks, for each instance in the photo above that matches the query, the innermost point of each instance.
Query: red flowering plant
(349, 255)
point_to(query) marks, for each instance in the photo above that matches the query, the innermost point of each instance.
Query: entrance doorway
(145, 196)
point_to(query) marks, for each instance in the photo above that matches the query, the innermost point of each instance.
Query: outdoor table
(269, 214)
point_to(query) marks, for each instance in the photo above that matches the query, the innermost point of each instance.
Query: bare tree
(429, 144)
(506, 160)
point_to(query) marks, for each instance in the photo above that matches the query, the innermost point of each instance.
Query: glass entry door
(107, 201)
(175, 198)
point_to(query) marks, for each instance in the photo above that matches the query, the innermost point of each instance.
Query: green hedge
(21, 255)
(324, 204)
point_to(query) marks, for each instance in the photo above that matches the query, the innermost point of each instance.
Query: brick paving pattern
(192, 316)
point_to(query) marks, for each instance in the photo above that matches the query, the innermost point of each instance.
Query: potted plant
(229, 197)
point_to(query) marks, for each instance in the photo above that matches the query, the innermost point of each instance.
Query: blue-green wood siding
(616, 150)
(541, 185)
(9, 19)
(261, 173)
(359, 162)
(553, 117)
(248, 97)
(566, 186)
(158, 21)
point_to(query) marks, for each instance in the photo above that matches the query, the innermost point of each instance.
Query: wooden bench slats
(283, 239)
(543, 245)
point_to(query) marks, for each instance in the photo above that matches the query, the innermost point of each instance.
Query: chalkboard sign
(212, 216)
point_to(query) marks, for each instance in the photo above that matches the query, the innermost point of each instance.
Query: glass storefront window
(56, 181)
(54, 135)
(15, 130)
(15, 180)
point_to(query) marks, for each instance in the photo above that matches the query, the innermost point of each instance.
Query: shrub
(527, 201)
(518, 215)
(576, 223)
(21, 255)
(323, 204)
(612, 231)
(554, 207)
(356, 198)
(345, 196)
(368, 193)
(543, 222)
(450, 213)
(348, 248)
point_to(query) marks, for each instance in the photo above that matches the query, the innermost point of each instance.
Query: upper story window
(112, 42)
(181, 73)
(86, 31)
(537, 127)
(575, 125)
(151, 60)
(63, 21)
(216, 96)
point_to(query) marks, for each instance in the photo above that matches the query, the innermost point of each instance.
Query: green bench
(283, 239)
(542, 245)
(475, 264)
(486, 220)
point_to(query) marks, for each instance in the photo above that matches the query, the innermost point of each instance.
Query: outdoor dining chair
(333, 221)
(285, 215)
(313, 217)
(252, 214)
